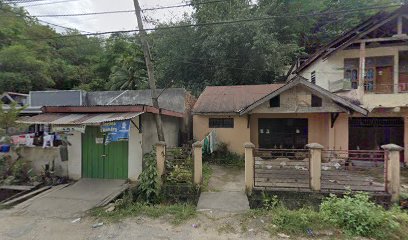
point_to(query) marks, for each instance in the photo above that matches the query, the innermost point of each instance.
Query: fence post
(392, 168)
(198, 162)
(315, 165)
(249, 167)
(160, 157)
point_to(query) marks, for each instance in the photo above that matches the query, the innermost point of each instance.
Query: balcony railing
(385, 88)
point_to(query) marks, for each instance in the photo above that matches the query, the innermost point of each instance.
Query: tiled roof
(231, 99)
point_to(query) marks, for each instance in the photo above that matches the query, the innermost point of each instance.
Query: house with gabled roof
(274, 116)
(352, 94)
(369, 66)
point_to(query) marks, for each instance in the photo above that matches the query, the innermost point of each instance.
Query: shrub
(180, 174)
(223, 156)
(297, 221)
(148, 189)
(270, 202)
(357, 215)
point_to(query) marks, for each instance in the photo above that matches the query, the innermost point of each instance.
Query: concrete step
(225, 201)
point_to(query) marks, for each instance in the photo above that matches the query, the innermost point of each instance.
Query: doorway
(283, 133)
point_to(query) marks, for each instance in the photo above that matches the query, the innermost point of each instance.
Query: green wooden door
(103, 161)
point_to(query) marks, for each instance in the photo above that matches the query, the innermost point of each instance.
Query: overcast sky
(106, 22)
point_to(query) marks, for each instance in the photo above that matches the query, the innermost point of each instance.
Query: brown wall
(234, 137)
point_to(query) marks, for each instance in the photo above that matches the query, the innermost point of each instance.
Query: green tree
(22, 71)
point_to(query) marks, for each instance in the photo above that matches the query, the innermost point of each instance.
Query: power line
(271, 17)
(32, 18)
(124, 11)
(23, 1)
(42, 4)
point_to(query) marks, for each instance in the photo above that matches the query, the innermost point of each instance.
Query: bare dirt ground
(207, 227)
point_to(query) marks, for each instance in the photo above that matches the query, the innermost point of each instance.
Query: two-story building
(369, 66)
(351, 94)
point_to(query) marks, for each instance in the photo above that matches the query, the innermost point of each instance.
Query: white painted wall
(135, 162)
(171, 128)
(38, 157)
(75, 156)
(332, 69)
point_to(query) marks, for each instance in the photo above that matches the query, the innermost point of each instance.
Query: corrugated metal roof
(77, 119)
(231, 99)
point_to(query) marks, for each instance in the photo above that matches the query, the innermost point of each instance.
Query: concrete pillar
(332, 133)
(396, 73)
(198, 162)
(406, 140)
(315, 165)
(392, 166)
(362, 68)
(160, 157)
(249, 167)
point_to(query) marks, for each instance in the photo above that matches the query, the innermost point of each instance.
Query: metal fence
(356, 170)
(341, 170)
(281, 169)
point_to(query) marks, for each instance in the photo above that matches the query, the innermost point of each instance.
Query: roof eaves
(356, 30)
(300, 80)
(216, 113)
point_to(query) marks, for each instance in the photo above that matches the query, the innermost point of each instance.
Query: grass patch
(337, 218)
(177, 213)
(295, 223)
(207, 173)
(226, 228)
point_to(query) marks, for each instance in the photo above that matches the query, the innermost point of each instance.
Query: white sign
(76, 128)
(99, 140)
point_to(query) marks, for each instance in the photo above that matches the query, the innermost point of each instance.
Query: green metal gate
(103, 161)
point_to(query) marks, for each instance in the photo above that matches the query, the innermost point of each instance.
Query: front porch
(295, 130)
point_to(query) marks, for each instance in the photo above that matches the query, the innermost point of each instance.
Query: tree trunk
(150, 71)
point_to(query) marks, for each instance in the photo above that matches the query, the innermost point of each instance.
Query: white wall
(171, 128)
(135, 162)
(38, 157)
(75, 156)
(333, 67)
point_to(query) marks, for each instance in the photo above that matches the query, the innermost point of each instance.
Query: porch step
(26, 196)
(224, 202)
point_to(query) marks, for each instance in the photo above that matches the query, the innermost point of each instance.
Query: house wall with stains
(171, 126)
(332, 69)
(319, 128)
(233, 137)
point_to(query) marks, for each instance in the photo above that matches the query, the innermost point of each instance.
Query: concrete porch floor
(226, 191)
(73, 200)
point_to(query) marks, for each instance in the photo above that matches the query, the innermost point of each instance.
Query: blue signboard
(116, 131)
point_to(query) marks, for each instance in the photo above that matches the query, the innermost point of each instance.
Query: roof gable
(352, 35)
(300, 81)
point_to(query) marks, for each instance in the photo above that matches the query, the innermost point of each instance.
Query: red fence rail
(292, 154)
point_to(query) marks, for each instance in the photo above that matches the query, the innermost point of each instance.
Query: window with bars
(313, 77)
(221, 123)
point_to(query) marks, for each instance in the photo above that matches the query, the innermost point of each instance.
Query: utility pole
(150, 70)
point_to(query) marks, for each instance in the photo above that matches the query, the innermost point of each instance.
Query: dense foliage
(357, 215)
(350, 215)
(148, 190)
(35, 57)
